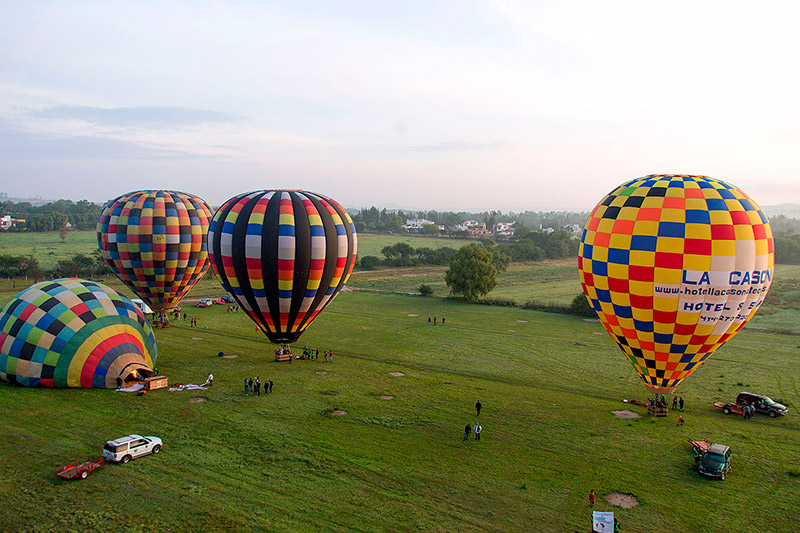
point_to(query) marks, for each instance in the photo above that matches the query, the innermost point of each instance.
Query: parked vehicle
(205, 302)
(763, 404)
(716, 462)
(728, 408)
(80, 468)
(124, 449)
(227, 298)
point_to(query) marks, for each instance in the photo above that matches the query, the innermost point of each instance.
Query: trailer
(699, 448)
(80, 468)
(728, 408)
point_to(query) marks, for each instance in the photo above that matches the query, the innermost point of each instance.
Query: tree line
(78, 266)
(53, 216)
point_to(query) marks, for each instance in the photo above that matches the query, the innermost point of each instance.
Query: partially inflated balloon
(283, 255)
(155, 242)
(675, 266)
(73, 333)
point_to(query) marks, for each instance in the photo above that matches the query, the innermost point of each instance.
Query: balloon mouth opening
(660, 390)
(135, 373)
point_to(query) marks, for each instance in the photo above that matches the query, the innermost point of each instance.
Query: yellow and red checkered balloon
(674, 266)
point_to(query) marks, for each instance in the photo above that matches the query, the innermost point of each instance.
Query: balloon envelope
(283, 255)
(73, 333)
(674, 266)
(155, 242)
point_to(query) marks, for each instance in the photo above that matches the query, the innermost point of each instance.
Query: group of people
(677, 402)
(313, 355)
(477, 427)
(254, 386)
(434, 321)
(748, 411)
(233, 308)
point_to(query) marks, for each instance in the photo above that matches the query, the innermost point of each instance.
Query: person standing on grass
(674, 403)
(591, 498)
(478, 407)
(246, 390)
(680, 402)
(467, 430)
(270, 386)
(443, 321)
(258, 386)
(478, 430)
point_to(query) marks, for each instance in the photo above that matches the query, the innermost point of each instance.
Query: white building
(416, 224)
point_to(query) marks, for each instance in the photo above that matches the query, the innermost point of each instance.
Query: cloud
(139, 117)
(459, 146)
(16, 144)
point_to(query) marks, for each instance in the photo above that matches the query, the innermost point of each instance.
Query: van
(763, 404)
(716, 462)
(124, 449)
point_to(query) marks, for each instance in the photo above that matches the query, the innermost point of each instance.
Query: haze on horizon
(438, 104)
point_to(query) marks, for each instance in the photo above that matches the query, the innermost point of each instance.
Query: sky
(430, 104)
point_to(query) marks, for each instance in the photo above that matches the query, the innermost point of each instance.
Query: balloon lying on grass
(283, 255)
(74, 333)
(155, 242)
(675, 266)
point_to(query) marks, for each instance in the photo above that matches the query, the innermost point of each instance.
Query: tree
(426, 290)
(370, 262)
(471, 272)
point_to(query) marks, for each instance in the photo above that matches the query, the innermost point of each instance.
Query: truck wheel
(722, 476)
(126, 459)
(727, 411)
(84, 474)
(773, 414)
(156, 448)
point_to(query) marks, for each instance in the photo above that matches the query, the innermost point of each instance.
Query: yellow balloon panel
(674, 266)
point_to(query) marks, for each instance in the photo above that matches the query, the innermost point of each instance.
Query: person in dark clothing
(258, 386)
(680, 403)
(674, 403)
(270, 386)
(250, 384)
(443, 321)
(467, 430)
(478, 407)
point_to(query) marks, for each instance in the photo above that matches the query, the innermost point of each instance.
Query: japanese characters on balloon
(283, 255)
(674, 266)
(155, 242)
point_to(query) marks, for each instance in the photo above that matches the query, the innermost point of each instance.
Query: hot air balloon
(283, 255)
(155, 242)
(674, 266)
(74, 333)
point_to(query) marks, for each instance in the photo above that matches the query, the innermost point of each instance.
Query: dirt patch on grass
(626, 414)
(387, 397)
(197, 399)
(445, 345)
(230, 356)
(620, 499)
(396, 374)
(197, 338)
(321, 372)
(522, 321)
(338, 412)
(512, 331)
(412, 314)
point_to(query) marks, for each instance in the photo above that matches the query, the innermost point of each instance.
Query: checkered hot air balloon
(675, 266)
(283, 255)
(155, 242)
(74, 333)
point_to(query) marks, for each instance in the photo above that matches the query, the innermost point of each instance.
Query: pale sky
(437, 104)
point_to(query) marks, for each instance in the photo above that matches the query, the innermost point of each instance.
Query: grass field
(284, 462)
(48, 247)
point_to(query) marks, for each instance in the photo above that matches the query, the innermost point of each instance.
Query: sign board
(602, 521)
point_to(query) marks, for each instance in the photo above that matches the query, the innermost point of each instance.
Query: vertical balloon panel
(674, 266)
(283, 256)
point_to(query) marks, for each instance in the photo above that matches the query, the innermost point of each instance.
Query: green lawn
(48, 247)
(373, 243)
(548, 384)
